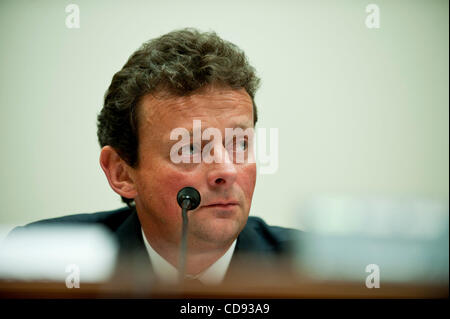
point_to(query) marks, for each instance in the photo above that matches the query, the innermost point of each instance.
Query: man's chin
(220, 231)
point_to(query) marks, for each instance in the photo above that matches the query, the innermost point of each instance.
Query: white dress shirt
(214, 274)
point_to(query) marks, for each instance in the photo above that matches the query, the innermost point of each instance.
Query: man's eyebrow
(239, 125)
(244, 126)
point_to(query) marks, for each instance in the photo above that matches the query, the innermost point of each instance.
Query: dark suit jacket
(265, 245)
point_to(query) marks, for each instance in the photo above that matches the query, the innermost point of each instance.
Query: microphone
(188, 198)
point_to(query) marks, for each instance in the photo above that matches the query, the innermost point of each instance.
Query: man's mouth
(222, 204)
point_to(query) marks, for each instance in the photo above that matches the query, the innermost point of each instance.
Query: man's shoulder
(111, 219)
(258, 235)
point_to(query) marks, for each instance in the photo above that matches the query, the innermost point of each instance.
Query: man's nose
(222, 173)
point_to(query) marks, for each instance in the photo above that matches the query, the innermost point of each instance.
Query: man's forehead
(232, 104)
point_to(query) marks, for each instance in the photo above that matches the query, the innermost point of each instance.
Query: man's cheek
(248, 179)
(170, 184)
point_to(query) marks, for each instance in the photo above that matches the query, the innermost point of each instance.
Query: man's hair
(178, 63)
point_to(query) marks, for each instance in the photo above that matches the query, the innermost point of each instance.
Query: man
(169, 83)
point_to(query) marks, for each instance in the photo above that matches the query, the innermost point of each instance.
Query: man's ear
(118, 172)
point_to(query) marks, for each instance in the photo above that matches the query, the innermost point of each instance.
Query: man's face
(226, 187)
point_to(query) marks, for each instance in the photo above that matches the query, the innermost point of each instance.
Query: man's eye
(242, 145)
(190, 149)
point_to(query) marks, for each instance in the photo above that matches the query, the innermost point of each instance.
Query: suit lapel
(134, 263)
(252, 255)
(246, 244)
(129, 234)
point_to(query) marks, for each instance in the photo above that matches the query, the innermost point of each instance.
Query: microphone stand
(183, 251)
(188, 198)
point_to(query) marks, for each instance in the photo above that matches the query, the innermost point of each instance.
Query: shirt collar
(214, 274)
